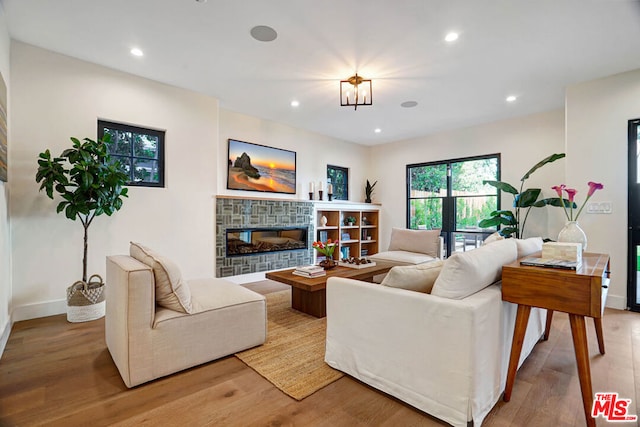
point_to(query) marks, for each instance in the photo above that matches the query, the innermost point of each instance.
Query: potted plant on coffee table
(90, 184)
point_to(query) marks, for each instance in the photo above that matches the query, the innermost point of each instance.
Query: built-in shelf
(357, 233)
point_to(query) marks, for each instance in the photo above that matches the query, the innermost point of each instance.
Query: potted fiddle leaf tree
(90, 185)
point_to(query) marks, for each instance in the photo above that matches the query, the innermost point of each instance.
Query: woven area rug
(292, 359)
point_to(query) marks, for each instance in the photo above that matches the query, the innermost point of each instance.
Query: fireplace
(252, 241)
(264, 220)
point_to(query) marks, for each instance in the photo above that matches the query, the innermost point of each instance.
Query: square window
(139, 151)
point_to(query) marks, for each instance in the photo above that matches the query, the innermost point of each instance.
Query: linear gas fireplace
(252, 241)
(256, 235)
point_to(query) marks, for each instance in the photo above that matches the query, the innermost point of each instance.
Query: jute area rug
(292, 359)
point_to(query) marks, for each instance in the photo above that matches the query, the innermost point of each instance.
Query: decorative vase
(328, 264)
(323, 221)
(574, 234)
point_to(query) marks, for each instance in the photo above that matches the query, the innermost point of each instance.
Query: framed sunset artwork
(254, 167)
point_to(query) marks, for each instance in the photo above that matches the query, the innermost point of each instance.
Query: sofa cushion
(465, 273)
(402, 257)
(528, 246)
(419, 278)
(171, 290)
(493, 238)
(420, 241)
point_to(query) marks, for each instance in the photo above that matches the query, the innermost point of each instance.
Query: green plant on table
(514, 222)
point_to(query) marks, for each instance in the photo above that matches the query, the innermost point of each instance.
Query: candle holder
(310, 195)
(319, 194)
(330, 196)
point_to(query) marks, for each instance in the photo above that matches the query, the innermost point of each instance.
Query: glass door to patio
(449, 195)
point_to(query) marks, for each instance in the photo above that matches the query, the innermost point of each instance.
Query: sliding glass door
(449, 195)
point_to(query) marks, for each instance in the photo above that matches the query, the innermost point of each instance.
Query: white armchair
(147, 341)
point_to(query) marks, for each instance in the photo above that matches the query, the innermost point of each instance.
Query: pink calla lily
(559, 189)
(571, 194)
(593, 186)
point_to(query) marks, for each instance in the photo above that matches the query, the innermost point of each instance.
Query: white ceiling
(530, 48)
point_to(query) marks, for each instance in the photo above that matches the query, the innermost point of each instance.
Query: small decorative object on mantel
(320, 191)
(368, 191)
(572, 231)
(311, 190)
(330, 191)
(326, 249)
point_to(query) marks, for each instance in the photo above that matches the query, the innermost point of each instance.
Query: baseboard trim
(4, 338)
(617, 302)
(41, 309)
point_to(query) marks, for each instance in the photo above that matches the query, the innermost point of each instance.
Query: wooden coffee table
(309, 295)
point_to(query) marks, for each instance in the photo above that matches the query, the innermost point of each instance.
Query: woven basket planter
(85, 301)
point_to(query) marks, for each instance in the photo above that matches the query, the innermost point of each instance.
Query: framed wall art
(254, 167)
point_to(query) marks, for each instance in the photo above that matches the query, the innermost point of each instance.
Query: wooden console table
(578, 293)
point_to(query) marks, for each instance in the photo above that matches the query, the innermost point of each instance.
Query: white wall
(522, 142)
(55, 97)
(5, 232)
(313, 153)
(597, 114)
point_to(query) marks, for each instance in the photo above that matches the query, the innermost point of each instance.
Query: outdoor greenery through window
(450, 195)
(140, 152)
(338, 177)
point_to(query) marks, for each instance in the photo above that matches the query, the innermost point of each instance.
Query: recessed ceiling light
(451, 37)
(409, 104)
(511, 98)
(136, 52)
(295, 103)
(201, 1)
(263, 33)
(377, 130)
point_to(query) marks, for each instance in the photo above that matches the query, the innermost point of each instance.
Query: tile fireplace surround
(237, 212)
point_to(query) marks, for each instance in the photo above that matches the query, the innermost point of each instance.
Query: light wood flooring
(61, 374)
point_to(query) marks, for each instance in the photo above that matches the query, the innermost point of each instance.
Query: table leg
(547, 327)
(522, 319)
(598, 322)
(579, 333)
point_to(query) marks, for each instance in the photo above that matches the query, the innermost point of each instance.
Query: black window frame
(346, 181)
(160, 134)
(449, 202)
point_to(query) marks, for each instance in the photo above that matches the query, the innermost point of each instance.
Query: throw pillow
(465, 273)
(171, 290)
(421, 241)
(419, 278)
(528, 246)
(493, 238)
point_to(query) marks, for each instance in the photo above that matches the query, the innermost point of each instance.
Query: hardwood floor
(57, 373)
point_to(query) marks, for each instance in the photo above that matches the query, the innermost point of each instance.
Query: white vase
(574, 234)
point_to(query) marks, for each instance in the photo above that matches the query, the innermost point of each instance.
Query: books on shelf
(309, 271)
(551, 263)
(323, 236)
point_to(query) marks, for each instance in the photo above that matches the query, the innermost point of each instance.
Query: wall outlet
(599, 208)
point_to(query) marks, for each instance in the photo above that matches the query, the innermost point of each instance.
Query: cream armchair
(147, 341)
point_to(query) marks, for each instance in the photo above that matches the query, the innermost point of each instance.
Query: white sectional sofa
(446, 353)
